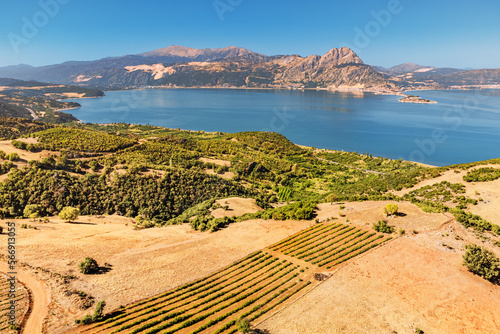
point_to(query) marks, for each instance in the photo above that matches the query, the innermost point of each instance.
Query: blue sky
(456, 33)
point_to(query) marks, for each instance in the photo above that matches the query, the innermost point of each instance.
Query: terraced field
(328, 245)
(22, 303)
(250, 288)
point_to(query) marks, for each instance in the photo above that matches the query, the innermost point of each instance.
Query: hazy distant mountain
(62, 73)
(190, 54)
(415, 69)
(409, 67)
(413, 76)
(470, 78)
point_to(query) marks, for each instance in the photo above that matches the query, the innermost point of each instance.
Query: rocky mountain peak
(339, 56)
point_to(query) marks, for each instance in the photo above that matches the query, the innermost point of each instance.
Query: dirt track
(41, 300)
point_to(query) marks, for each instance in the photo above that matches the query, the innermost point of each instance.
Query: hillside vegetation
(155, 174)
(40, 101)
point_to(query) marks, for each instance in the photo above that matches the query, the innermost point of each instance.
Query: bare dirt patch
(5, 145)
(411, 282)
(367, 213)
(29, 140)
(218, 162)
(237, 206)
(225, 175)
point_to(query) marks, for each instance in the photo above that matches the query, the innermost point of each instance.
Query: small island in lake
(415, 99)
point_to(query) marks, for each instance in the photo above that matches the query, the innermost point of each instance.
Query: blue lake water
(463, 126)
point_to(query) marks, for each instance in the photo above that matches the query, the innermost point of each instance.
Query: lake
(464, 126)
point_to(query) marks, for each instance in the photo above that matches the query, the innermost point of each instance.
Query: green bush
(479, 224)
(32, 211)
(86, 320)
(382, 226)
(88, 266)
(482, 262)
(13, 156)
(243, 325)
(98, 312)
(69, 213)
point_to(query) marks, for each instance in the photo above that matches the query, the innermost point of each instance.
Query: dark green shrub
(88, 266)
(382, 226)
(482, 262)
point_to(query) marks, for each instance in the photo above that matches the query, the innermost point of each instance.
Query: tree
(332, 198)
(391, 209)
(88, 266)
(69, 213)
(482, 262)
(32, 211)
(243, 325)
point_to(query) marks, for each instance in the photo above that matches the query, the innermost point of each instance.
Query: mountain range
(178, 66)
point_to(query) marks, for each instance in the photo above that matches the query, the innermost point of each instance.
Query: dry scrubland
(175, 255)
(489, 192)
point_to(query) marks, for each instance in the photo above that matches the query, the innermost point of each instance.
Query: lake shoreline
(317, 118)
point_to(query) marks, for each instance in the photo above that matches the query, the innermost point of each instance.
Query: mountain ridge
(215, 67)
(180, 66)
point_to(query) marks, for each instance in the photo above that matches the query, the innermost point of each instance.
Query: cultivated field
(328, 245)
(251, 287)
(185, 291)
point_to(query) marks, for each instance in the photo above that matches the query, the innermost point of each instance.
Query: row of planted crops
(328, 245)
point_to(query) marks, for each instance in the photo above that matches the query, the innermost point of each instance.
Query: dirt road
(41, 300)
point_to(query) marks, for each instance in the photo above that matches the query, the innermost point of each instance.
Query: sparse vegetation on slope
(482, 175)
